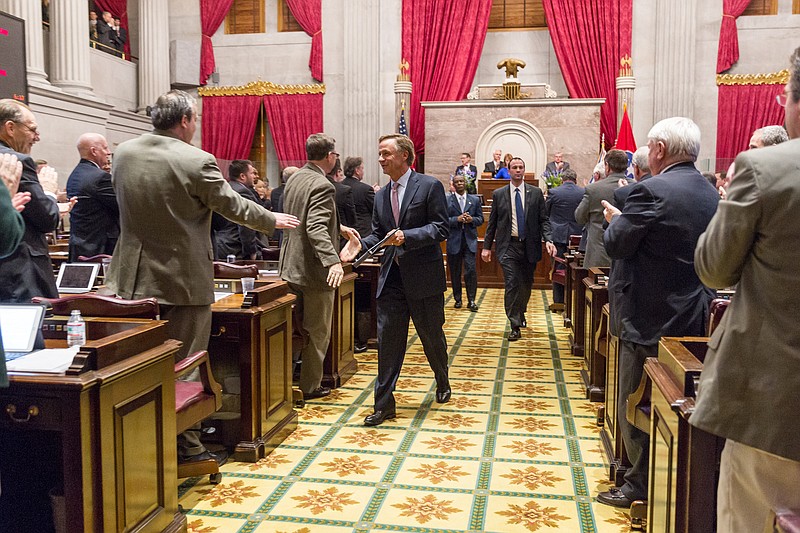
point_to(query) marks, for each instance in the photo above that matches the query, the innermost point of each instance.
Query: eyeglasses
(35, 131)
(782, 99)
(334, 153)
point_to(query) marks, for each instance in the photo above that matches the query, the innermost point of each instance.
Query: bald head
(94, 147)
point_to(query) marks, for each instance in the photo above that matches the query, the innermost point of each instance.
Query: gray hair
(600, 168)
(640, 158)
(287, 173)
(170, 108)
(773, 135)
(318, 146)
(680, 135)
(794, 75)
(11, 110)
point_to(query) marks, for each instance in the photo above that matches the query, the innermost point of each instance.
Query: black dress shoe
(472, 306)
(515, 335)
(360, 348)
(221, 457)
(319, 392)
(443, 396)
(378, 417)
(524, 323)
(615, 498)
(457, 305)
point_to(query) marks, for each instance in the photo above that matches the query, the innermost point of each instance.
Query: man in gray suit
(590, 210)
(309, 258)
(166, 191)
(748, 390)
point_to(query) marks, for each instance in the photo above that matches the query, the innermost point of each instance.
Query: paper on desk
(49, 360)
(220, 295)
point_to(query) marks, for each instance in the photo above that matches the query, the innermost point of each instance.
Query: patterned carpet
(516, 449)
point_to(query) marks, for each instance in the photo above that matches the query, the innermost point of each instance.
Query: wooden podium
(487, 185)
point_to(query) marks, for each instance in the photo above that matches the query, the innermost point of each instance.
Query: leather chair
(194, 400)
(715, 312)
(94, 258)
(229, 271)
(271, 253)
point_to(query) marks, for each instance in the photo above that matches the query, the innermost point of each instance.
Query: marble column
(625, 87)
(69, 46)
(675, 52)
(153, 51)
(31, 13)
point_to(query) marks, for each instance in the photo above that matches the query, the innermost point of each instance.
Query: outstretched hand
(10, 172)
(285, 221)
(609, 210)
(19, 200)
(351, 249)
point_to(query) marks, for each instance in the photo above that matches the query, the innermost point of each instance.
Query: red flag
(625, 140)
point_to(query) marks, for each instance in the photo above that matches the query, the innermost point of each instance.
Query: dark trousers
(558, 288)
(454, 262)
(394, 311)
(518, 280)
(637, 442)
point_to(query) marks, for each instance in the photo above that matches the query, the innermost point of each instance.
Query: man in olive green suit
(309, 258)
(748, 390)
(166, 190)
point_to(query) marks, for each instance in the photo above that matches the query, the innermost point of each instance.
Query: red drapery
(229, 123)
(212, 13)
(118, 8)
(728, 51)
(590, 37)
(442, 41)
(292, 118)
(309, 15)
(742, 110)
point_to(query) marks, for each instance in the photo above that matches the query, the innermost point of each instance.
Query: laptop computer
(76, 278)
(19, 326)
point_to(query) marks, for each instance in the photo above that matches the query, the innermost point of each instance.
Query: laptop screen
(19, 324)
(76, 277)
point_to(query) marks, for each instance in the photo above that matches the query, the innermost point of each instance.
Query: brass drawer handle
(220, 333)
(11, 410)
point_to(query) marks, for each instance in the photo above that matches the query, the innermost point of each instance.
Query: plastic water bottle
(76, 329)
(231, 258)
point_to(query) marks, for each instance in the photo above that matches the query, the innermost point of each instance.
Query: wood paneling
(245, 16)
(517, 14)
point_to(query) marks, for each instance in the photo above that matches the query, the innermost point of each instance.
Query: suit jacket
(537, 225)
(490, 167)
(471, 177)
(345, 205)
(311, 248)
(364, 200)
(460, 232)
(423, 219)
(276, 198)
(167, 190)
(550, 168)
(94, 220)
(561, 204)
(231, 238)
(653, 289)
(621, 194)
(28, 272)
(590, 213)
(106, 35)
(751, 374)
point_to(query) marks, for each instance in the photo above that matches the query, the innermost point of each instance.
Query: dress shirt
(514, 230)
(402, 184)
(462, 201)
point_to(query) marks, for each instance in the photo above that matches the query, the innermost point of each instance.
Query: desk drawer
(30, 412)
(224, 330)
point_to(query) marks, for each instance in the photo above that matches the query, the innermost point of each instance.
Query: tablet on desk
(76, 278)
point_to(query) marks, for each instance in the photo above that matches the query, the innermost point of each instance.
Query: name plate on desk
(264, 293)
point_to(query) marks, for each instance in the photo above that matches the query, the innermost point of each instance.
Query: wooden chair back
(229, 271)
(106, 306)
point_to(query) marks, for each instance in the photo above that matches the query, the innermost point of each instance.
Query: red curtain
(728, 51)
(590, 37)
(212, 13)
(309, 15)
(292, 118)
(118, 8)
(229, 123)
(442, 41)
(742, 110)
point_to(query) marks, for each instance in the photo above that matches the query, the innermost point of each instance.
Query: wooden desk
(104, 433)
(569, 286)
(251, 355)
(614, 454)
(682, 495)
(576, 273)
(487, 185)
(595, 297)
(366, 287)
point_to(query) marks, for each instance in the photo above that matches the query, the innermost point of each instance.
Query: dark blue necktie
(520, 216)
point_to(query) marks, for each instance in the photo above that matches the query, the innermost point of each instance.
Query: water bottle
(231, 258)
(76, 329)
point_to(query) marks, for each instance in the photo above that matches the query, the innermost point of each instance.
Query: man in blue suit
(654, 291)
(466, 215)
(412, 280)
(561, 204)
(94, 221)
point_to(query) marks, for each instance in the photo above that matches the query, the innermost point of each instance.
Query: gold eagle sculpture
(511, 65)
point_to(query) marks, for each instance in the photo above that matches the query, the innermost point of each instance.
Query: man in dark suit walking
(231, 238)
(363, 194)
(94, 221)
(469, 171)
(654, 290)
(412, 280)
(27, 272)
(561, 204)
(465, 215)
(517, 226)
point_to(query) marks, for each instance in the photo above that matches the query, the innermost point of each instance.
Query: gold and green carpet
(516, 448)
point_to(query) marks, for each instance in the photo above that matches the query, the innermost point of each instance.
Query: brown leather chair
(715, 312)
(271, 253)
(94, 258)
(194, 400)
(230, 271)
